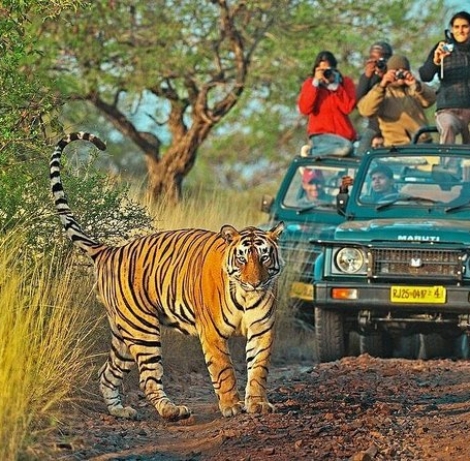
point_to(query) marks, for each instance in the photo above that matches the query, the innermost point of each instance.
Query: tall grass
(45, 341)
(207, 210)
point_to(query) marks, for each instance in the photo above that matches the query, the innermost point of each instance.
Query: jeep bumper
(396, 298)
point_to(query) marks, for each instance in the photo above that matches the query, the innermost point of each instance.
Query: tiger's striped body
(204, 283)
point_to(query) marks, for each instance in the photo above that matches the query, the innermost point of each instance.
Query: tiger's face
(253, 259)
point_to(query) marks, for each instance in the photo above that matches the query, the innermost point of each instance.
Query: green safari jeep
(399, 263)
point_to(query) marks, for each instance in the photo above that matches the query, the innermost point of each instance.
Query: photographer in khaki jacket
(398, 101)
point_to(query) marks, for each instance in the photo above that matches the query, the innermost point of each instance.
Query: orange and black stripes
(211, 284)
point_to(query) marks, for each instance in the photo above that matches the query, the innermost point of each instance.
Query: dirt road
(356, 409)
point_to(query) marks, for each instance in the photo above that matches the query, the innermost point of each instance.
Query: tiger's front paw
(175, 412)
(123, 412)
(259, 406)
(232, 409)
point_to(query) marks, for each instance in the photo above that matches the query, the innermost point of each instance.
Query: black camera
(381, 64)
(400, 74)
(332, 75)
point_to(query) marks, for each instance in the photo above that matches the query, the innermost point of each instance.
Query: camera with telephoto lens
(400, 74)
(381, 64)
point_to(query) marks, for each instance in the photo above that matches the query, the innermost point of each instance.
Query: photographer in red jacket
(327, 98)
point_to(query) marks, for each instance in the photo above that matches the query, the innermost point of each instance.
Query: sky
(458, 5)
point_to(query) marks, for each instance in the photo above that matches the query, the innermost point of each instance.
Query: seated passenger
(312, 187)
(383, 185)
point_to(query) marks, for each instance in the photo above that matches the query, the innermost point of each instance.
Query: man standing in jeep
(398, 101)
(449, 59)
(374, 69)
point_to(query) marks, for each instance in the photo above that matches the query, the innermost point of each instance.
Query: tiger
(213, 285)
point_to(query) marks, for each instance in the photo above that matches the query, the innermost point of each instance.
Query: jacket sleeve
(428, 70)
(426, 96)
(345, 96)
(369, 104)
(363, 86)
(307, 97)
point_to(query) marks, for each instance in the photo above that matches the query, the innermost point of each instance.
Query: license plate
(301, 291)
(418, 294)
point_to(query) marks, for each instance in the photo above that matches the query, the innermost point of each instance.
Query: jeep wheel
(463, 347)
(329, 335)
(372, 344)
(434, 345)
(407, 347)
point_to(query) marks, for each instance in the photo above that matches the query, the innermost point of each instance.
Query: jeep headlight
(350, 260)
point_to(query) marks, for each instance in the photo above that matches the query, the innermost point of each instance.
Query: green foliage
(25, 89)
(102, 203)
(29, 106)
(129, 49)
(137, 48)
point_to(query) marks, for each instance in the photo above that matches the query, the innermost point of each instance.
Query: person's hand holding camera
(318, 75)
(408, 78)
(400, 76)
(346, 183)
(388, 78)
(325, 76)
(443, 49)
(370, 68)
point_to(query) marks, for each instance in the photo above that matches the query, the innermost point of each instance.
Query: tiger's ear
(228, 233)
(276, 231)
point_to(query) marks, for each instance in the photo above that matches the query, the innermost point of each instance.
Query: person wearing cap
(398, 101)
(449, 60)
(374, 69)
(382, 185)
(312, 187)
(327, 98)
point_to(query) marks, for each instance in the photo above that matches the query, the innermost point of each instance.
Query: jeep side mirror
(266, 203)
(341, 203)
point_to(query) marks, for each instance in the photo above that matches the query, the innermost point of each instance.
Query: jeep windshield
(316, 185)
(427, 177)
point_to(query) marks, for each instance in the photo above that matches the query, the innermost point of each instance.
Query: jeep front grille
(418, 263)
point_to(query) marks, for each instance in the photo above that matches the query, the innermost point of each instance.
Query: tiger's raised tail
(72, 228)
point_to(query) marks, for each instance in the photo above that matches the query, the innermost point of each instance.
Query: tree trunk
(166, 174)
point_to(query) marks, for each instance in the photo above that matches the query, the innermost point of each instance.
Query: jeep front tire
(329, 335)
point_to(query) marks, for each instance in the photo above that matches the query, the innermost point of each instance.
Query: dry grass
(46, 338)
(207, 210)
